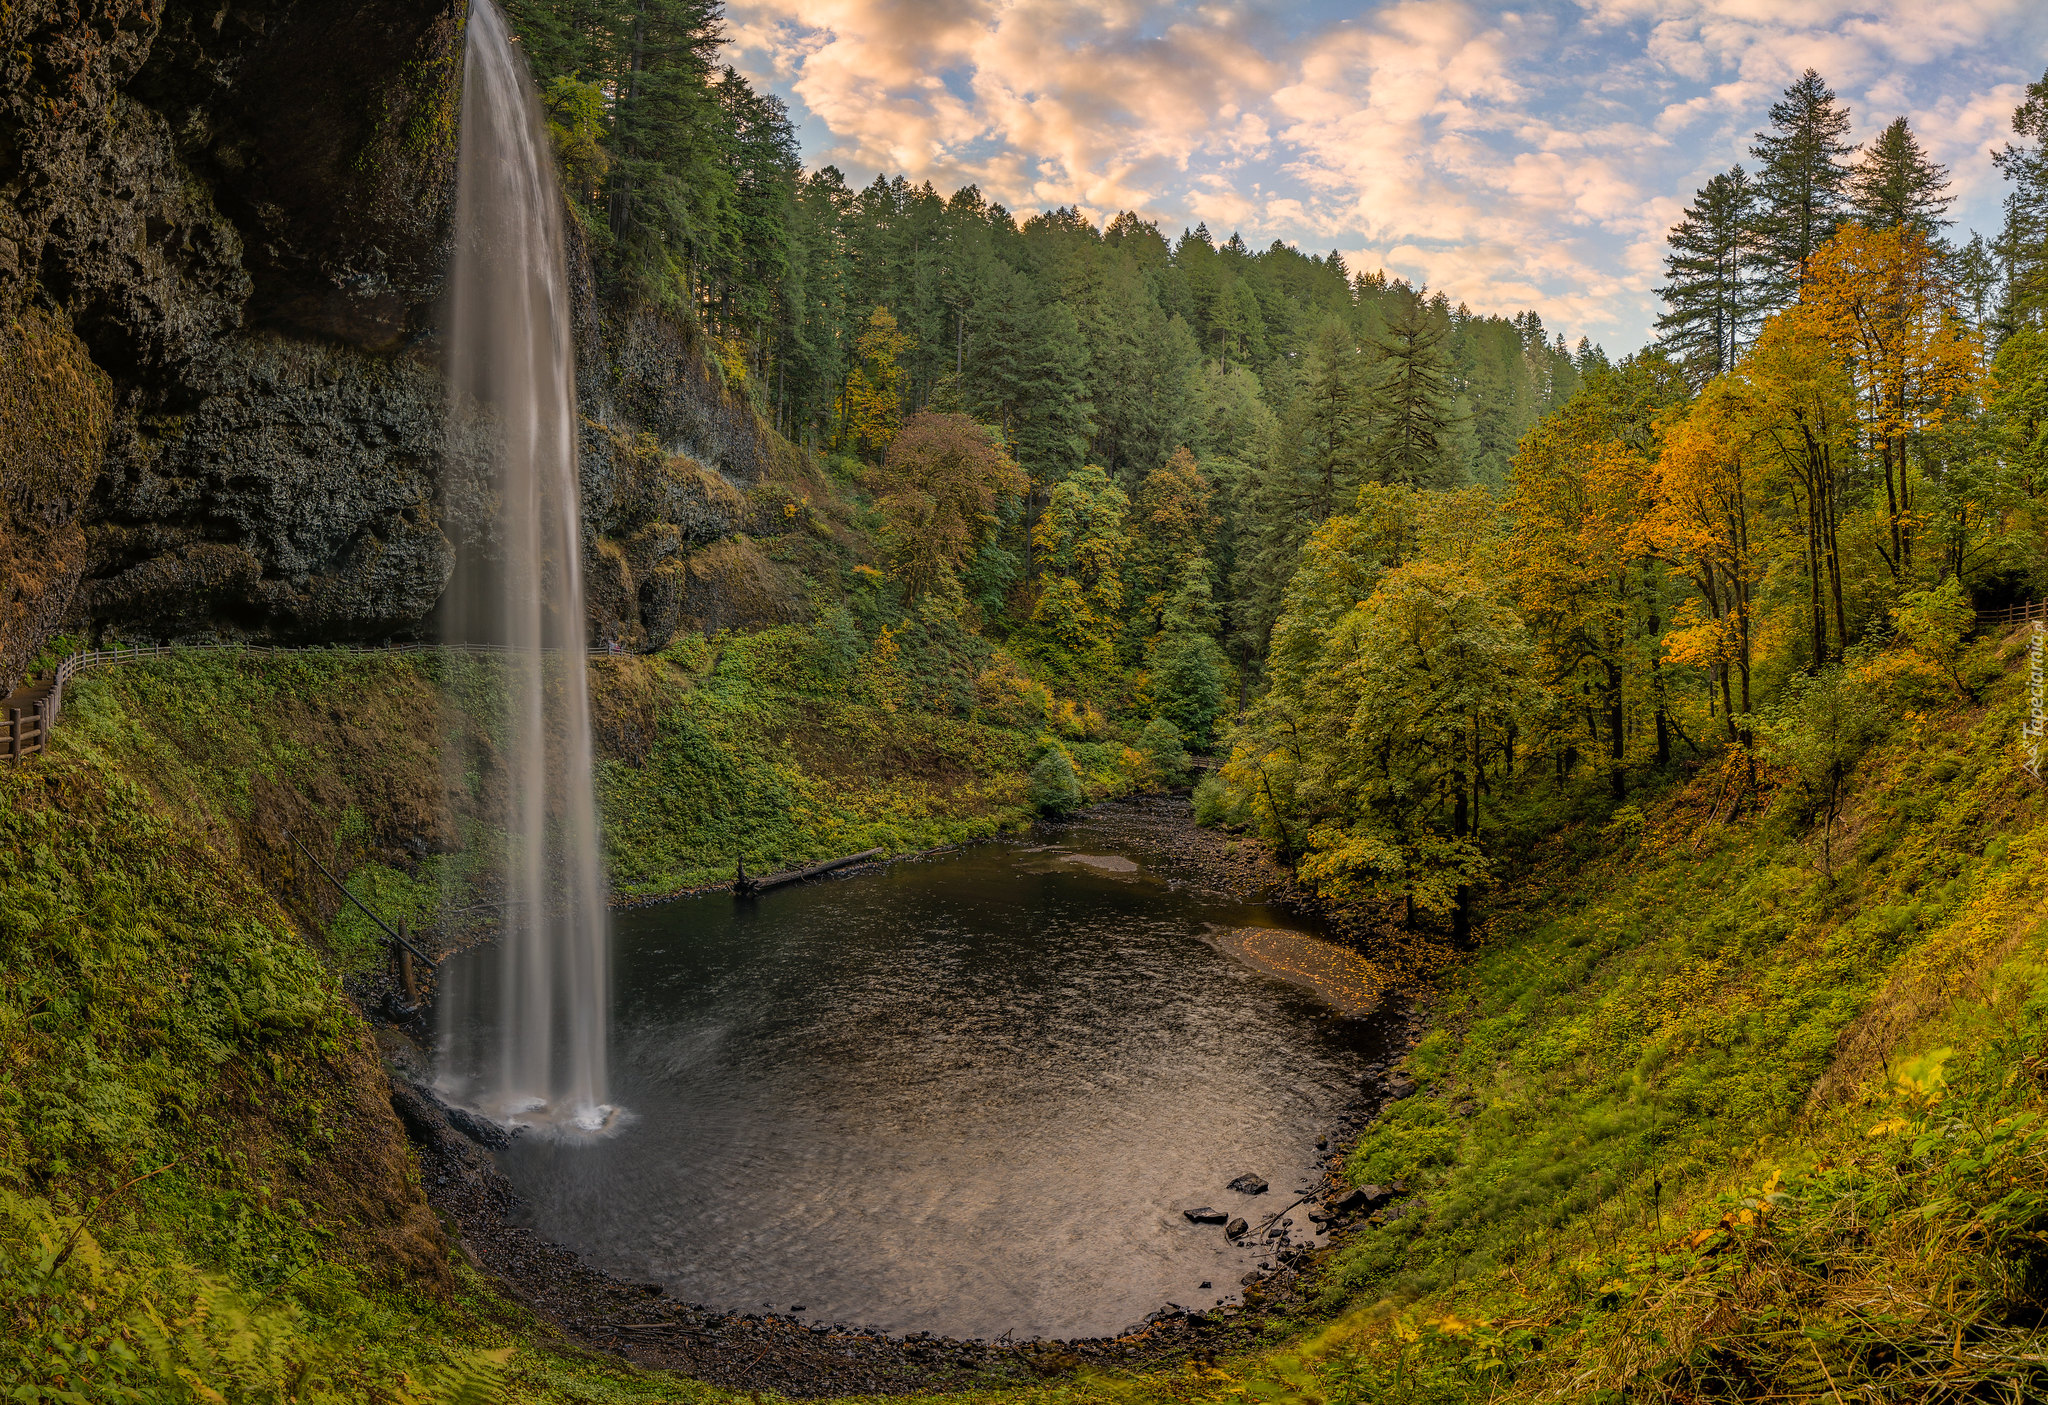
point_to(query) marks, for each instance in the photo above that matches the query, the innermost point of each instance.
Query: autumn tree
(1388, 595)
(1081, 544)
(871, 407)
(1704, 522)
(1582, 485)
(1172, 525)
(939, 489)
(1433, 664)
(1801, 411)
(1882, 298)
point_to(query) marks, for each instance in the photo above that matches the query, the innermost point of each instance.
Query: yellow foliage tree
(1885, 300)
(1581, 490)
(1702, 523)
(871, 406)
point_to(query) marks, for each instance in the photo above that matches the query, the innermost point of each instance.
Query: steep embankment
(174, 1005)
(1713, 1114)
(1698, 1115)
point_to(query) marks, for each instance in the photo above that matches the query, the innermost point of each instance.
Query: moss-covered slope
(1699, 1119)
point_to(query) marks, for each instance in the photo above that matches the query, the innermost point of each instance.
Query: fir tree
(1801, 182)
(1419, 428)
(1896, 184)
(2023, 244)
(1712, 298)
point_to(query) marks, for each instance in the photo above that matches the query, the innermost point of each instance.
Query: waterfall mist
(529, 1044)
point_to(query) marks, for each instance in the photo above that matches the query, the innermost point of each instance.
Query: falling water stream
(520, 590)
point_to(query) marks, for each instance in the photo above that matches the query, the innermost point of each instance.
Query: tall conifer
(1801, 181)
(1897, 183)
(1712, 298)
(1420, 427)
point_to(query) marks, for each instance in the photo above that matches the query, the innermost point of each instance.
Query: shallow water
(969, 1094)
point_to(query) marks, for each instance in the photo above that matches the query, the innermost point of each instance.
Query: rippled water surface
(969, 1094)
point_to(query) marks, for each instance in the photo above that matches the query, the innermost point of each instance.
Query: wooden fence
(24, 730)
(2012, 615)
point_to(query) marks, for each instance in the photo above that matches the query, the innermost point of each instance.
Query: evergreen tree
(669, 194)
(1801, 183)
(1712, 299)
(2023, 244)
(1026, 371)
(1322, 448)
(1053, 789)
(1419, 430)
(1896, 184)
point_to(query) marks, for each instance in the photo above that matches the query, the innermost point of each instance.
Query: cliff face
(223, 229)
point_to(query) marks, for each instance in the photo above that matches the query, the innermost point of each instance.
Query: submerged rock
(1248, 1184)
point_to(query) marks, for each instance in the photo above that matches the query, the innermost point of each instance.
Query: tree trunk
(1616, 742)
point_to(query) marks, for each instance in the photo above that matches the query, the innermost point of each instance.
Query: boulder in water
(1248, 1184)
(1205, 1215)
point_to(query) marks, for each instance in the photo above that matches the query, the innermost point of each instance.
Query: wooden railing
(25, 731)
(2011, 615)
(29, 721)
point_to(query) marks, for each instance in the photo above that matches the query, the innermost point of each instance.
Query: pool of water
(969, 1094)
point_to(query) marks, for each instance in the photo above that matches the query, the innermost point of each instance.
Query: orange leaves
(939, 489)
(1882, 299)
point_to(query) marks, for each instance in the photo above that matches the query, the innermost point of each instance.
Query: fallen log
(745, 887)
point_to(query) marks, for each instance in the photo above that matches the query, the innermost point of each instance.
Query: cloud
(1529, 157)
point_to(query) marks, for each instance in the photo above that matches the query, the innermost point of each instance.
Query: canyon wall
(223, 230)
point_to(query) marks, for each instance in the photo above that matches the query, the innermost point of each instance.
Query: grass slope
(1699, 1120)
(204, 1195)
(1702, 1121)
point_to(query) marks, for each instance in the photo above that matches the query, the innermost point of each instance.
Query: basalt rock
(234, 219)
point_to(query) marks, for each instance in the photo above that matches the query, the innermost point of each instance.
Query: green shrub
(1187, 685)
(1161, 744)
(1054, 789)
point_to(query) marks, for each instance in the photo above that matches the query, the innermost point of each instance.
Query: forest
(1404, 565)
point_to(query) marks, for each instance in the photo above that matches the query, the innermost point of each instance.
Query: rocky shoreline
(807, 1360)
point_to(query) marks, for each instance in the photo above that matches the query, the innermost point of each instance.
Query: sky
(1512, 158)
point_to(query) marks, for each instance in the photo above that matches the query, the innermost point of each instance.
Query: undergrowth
(1715, 1114)
(1711, 1113)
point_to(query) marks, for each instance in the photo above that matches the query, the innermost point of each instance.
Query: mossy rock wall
(55, 406)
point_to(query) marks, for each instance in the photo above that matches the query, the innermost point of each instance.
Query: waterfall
(518, 587)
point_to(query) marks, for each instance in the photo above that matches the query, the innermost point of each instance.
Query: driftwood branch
(746, 887)
(432, 964)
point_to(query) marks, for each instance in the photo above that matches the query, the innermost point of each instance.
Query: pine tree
(669, 194)
(1712, 296)
(2024, 242)
(1896, 184)
(1801, 182)
(1323, 440)
(1419, 430)
(1026, 370)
